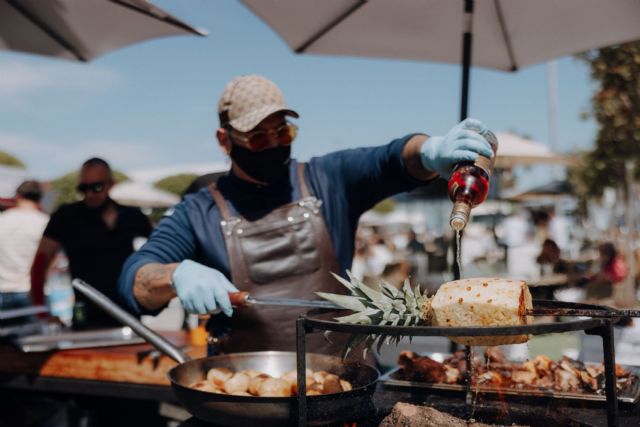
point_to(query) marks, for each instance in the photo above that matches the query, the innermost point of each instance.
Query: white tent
(514, 150)
(142, 195)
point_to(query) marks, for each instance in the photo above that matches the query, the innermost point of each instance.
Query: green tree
(616, 107)
(176, 184)
(7, 159)
(65, 186)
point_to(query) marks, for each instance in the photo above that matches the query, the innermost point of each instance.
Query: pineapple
(469, 302)
(386, 306)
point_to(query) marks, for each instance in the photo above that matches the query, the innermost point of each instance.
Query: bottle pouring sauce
(469, 184)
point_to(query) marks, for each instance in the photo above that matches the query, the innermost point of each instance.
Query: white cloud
(19, 79)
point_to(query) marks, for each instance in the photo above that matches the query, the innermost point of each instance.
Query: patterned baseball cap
(248, 100)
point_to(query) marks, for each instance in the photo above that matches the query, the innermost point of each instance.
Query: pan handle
(125, 318)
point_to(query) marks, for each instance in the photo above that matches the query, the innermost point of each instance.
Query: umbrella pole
(467, 38)
(464, 102)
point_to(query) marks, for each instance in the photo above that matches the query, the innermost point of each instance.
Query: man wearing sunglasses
(97, 236)
(273, 226)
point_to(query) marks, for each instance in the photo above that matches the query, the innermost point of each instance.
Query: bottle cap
(459, 215)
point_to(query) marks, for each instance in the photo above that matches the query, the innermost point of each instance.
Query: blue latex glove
(202, 289)
(462, 143)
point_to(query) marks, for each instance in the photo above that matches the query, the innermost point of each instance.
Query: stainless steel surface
(122, 316)
(292, 302)
(75, 340)
(23, 312)
(229, 410)
(24, 328)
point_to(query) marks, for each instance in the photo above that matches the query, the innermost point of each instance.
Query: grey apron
(286, 253)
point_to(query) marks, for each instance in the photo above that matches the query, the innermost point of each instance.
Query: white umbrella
(514, 150)
(82, 29)
(508, 34)
(142, 195)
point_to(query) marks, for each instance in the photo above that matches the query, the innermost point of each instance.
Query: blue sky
(154, 104)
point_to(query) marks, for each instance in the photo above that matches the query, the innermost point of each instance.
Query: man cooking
(273, 226)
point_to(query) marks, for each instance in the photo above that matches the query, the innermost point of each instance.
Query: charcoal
(408, 415)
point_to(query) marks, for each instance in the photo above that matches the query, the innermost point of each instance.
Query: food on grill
(461, 303)
(255, 383)
(483, 302)
(565, 375)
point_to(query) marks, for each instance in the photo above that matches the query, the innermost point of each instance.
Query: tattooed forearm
(152, 286)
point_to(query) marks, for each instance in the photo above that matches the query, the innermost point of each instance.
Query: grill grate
(600, 323)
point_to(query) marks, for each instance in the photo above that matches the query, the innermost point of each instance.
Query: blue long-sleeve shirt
(348, 182)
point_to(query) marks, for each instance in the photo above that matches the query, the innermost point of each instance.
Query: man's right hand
(202, 289)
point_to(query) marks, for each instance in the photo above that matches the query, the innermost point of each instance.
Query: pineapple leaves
(346, 301)
(384, 305)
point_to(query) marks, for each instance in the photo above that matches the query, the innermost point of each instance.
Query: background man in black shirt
(97, 236)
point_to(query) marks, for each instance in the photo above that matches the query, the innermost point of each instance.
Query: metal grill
(600, 323)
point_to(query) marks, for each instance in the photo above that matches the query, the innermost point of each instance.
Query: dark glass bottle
(469, 184)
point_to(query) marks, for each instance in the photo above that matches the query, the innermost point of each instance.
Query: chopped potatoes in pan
(253, 383)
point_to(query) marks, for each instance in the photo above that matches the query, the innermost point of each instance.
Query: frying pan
(233, 411)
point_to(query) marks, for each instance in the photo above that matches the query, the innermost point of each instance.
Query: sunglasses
(94, 187)
(260, 139)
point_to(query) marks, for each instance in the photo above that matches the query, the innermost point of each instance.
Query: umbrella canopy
(504, 35)
(133, 193)
(82, 29)
(508, 35)
(514, 150)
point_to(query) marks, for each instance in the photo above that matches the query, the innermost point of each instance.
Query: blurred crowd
(550, 250)
(553, 252)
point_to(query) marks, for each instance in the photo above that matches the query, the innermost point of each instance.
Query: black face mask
(268, 165)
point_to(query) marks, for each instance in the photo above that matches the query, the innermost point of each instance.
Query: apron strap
(220, 202)
(304, 190)
(224, 207)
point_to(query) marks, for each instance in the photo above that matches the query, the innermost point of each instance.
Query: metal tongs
(569, 309)
(244, 299)
(542, 307)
